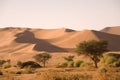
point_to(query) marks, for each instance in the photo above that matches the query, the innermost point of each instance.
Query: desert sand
(53, 40)
(112, 30)
(23, 43)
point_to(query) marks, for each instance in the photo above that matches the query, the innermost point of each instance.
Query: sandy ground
(112, 30)
(23, 43)
(14, 40)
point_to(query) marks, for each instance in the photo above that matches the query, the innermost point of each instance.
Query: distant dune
(112, 30)
(18, 40)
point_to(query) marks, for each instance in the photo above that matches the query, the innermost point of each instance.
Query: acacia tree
(69, 58)
(93, 49)
(42, 58)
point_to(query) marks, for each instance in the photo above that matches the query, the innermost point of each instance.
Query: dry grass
(106, 76)
(61, 74)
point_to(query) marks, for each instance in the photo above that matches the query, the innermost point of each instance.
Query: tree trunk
(44, 64)
(95, 63)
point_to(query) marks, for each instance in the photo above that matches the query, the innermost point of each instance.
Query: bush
(85, 64)
(102, 69)
(32, 64)
(70, 64)
(64, 64)
(114, 55)
(18, 72)
(102, 59)
(116, 64)
(78, 63)
(6, 65)
(29, 70)
(111, 59)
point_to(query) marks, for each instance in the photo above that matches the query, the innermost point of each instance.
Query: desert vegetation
(42, 58)
(101, 65)
(111, 59)
(93, 49)
(82, 73)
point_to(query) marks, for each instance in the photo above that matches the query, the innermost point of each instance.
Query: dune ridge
(112, 30)
(15, 40)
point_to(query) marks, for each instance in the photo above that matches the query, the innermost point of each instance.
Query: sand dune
(113, 40)
(15, 40)
(51, 33)
(79, 36)
(112, 30)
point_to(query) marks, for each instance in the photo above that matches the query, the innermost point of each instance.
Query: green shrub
(102, 60)
(64, 64)
(78, 63)
(103, 69)
(85, 64)
(18, 72)
(116, 64)
(70, 64)
(110, 60)
(6, 65)
(114, 55)
(29, 70)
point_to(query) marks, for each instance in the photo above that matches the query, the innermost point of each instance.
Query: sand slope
(15, 40)
(112, 30)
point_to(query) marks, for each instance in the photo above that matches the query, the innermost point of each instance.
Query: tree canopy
(93, 49)
(42, 58)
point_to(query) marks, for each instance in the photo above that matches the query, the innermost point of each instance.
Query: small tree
(42, 58)
(93, 49)
(19, 64)
(69, 58)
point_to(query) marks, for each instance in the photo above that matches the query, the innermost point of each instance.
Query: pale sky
(48, 14)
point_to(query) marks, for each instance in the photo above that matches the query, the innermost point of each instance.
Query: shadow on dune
(69, 30)
(40, 44)
(112, 39)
